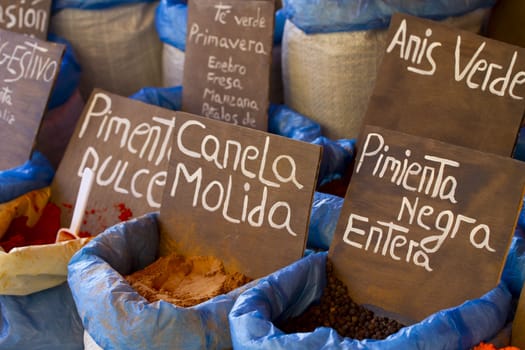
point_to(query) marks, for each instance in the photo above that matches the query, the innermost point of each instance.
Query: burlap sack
(172, 65)
(329, 77)
(118, 48)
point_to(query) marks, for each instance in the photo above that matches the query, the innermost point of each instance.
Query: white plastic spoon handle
(82, 199)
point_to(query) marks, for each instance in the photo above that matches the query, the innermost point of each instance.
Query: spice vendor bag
(29, 266)
(36, 305)
(331, 52)
(64, 107)
(115, 42)
(171, 21)
(289, 291)
(116, 317)
(46, 320)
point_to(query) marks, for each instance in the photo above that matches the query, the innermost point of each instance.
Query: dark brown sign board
(238, 194)
(127, 145)
(29, 17)
(451, 85)
(28, 70)
(227, 60)
(425, 225)
(518, 324)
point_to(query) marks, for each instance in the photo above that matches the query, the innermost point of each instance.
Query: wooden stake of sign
(450, 85)
(26, 17)
(425, 225)
(127, 144)
(28, 70)
(227, 60)
(241, 195)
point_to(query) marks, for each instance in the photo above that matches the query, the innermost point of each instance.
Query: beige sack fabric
(329, 77)
(118, 48)
(172, 65)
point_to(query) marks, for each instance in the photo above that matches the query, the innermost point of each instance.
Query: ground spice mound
(337, 310)
(19, 234)
(185, 281)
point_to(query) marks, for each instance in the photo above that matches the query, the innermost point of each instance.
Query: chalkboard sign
(450, 85)
(425, 225)
(518, 325)
(28, 69)
(127, 145)
(26, 17)
(227, 60)
(239, 194)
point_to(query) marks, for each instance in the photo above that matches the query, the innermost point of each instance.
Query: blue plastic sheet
(289, 291)
(514, 270)
(327, 16)
(34, 174)
(68, 76)
(117, 317)
(326, 209)
(46, 320)
(519, 150)
(92, 4)
(170, 97)
(171, 20)
(337, 155)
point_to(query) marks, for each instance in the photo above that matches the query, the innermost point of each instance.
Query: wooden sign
(425, 225)
(227, 60)
(241, 195)
(449, 85)
(518, 324)
(28, 70)
(127, 145)
(26, 17)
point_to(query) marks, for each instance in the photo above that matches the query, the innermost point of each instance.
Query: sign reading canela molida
(425, 225)
(127, 144)
(455, 86)
(26, 16)
(28, 70)
(239, 194)
(227, 60)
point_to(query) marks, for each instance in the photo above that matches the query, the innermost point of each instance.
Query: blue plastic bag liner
(117, 317)
(519, 150)
(323, 220)
(170, 97)
(514, 271)
(289, 291)
(68, 76)
(171, 20)
(350, 15)
(337, 155)
(46, 320)
(92, 4)
(34, 174)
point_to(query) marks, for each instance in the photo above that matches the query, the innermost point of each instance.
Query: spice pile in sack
(185, 281)
(337, 310)
(29, 220)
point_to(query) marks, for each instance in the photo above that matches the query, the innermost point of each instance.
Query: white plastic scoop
(65, 234)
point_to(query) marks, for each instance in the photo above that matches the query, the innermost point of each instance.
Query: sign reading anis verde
(26, 16)
(28, 70)
(450, 85)
(425, 225)
(227, 60)
(239, 194)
